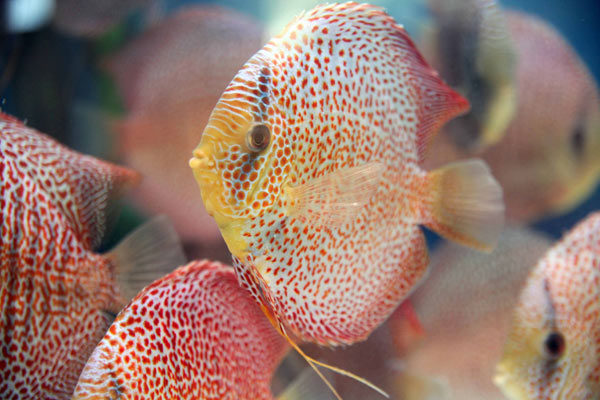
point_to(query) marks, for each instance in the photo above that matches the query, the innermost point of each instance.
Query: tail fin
(468, 206)
(148, 253)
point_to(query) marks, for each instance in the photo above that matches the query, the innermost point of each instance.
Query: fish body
(55, 291)
(552, 347)
(193, 334)
(309, 165)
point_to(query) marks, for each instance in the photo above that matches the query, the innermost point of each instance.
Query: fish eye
(578, 140)
(554, 345)
(258, 137)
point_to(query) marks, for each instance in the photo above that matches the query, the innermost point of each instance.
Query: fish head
(244, 157)
(550, 349)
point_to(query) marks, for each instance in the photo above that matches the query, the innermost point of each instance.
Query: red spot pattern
(194, 334)
(347, 87)
(53, 287)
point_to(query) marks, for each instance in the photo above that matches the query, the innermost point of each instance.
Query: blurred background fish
(552, 347)
(464, 307)
(193, 334)
(469, 44)
(171, 76)
(538, 119)
(57, 295)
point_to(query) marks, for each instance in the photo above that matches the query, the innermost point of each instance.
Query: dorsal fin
(81, 187)
(438, 102)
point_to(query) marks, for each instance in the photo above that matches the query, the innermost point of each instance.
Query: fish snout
(201, 161)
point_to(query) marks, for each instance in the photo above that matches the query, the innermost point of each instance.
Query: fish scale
(54, 290)
(346, 96)
(192, 334)
(47, 326)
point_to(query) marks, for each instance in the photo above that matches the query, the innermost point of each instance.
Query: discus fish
(309, 165)
(170, 77)
(547, 160)
(56, 293)
(194, 334)
(465, 307)
(552, 349)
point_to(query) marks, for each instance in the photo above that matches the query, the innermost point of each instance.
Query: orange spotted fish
(553, 348)
(309, 165)
(194, 334)
(56, 294)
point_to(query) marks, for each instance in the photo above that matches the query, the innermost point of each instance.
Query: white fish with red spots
(310, 166)
(55, 291)
(552, 350)
(193, 334)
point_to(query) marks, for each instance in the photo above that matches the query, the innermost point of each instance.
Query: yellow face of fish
(580, 157)
(242, 159)
(546, 355)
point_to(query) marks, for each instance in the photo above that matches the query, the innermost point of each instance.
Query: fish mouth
(208, 181)
(505, 381)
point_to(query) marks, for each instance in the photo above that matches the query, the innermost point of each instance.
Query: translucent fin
(335, 197)
(468, 206)
(306, 387)
(148, 253)
(405, 327)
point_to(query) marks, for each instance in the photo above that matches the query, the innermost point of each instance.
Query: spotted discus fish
(553, 348)
(55, 291)
(194, 334)
(310, 166)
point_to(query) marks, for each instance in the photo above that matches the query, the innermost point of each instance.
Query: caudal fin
(468, 207)
(148, 253)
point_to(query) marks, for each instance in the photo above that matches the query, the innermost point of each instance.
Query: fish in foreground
(171, 76)
(309, 165)
(552, 348)
(57, 295)
(546, 161)
(193, 334)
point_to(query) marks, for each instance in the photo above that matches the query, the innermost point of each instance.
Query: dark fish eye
(258, 137)
(554, 345)
(578, 140)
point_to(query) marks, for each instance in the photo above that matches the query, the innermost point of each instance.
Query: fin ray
(146, 254)
(335, 197)
(468, 206)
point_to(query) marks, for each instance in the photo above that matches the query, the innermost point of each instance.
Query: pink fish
(56, 291)
(309, 165)
(194, 334)
(171, 77)
(553, 345)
